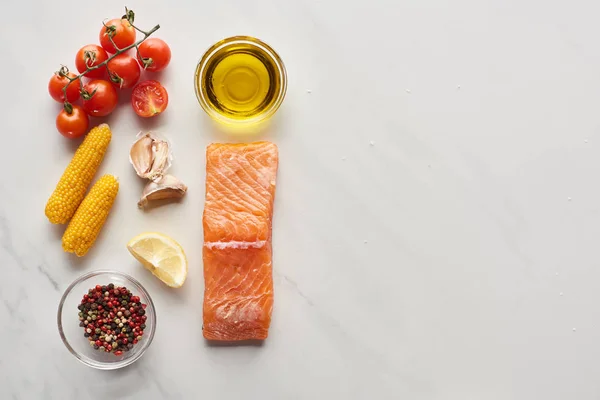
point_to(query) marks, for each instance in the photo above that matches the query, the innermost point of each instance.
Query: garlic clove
(168, 187)
(140, 155)
(161, 159)
(150, 156)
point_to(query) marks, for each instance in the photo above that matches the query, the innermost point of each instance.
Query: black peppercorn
(143, 326)
(111, 286)
(86, 334)
(141, 311)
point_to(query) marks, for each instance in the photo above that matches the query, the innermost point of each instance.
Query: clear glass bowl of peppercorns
(106, 319)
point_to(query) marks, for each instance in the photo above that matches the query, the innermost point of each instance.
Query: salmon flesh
(237, 254)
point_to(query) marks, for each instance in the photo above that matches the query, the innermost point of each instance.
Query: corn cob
(78, 175)
(90, 216)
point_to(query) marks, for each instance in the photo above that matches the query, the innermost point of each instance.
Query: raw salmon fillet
(238, 211)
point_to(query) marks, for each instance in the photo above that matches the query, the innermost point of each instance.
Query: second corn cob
(78, 175)
(90, 216)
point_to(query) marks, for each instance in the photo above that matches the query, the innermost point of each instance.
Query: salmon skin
(237, 253)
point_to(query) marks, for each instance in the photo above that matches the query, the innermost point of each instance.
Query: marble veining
(436, 214)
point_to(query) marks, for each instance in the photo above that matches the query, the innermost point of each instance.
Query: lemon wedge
(162, 256)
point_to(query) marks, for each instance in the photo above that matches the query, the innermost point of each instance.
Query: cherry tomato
(103, 102)
(156, 54)
(91, 55)
(124, 34)
(72, 125)
(124, 71)
(58, 82)
(149, 98)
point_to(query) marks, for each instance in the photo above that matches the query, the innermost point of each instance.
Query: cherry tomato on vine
(149, 98)
(104, 100)
(124, 34)
(72, 125)
(154, 54)
(58, 82)
(124, 71)
(91, 55)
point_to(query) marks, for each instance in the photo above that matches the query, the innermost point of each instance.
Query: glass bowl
(249, 45)
(72, 334)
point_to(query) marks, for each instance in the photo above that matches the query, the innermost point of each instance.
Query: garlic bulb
(150, 156)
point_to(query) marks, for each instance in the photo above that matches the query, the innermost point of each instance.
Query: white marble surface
(436, 215)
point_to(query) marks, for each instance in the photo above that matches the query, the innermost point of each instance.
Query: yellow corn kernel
(90, 216)
(78, 175)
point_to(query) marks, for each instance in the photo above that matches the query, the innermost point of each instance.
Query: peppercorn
(86, 334)
(143, 326)
(111, 286)
(141, 311)
(96, 347)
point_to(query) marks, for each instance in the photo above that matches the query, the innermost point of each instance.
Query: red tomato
(91, 55)
(149, 98)
(58, 82)
(124, 71)
(123, 34)
(103, 102)
(154, 54)
(72, 125)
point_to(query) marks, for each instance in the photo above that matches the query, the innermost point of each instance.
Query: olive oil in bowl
(240, 81)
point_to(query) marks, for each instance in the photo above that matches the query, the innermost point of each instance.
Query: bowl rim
(102, 365)
(209, 54)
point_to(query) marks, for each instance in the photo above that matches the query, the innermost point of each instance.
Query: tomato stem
(68, 107)
(64, 71)
(113, 43)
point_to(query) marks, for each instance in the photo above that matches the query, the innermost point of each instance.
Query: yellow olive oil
(241, 80)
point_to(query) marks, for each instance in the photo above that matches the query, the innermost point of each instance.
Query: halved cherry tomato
(149, 98)
(91, 55)
(104, 100)
(123, 34)
(124, 71)
(154, 54)
(72, 125)
(58, 82)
